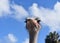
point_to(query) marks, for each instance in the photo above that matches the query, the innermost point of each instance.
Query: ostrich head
(32, 24)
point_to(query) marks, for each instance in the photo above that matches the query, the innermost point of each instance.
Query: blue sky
(14, 12)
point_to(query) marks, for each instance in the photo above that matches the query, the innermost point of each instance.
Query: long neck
(33, 37)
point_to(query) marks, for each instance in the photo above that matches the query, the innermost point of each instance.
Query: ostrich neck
(33, 37)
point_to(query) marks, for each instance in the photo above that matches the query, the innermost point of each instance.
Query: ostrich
(33, 27)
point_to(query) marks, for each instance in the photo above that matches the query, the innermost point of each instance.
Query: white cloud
(19, 12)
(4, 7)
(10, 38)
(26, 40)
(50, 17)
(57, 6)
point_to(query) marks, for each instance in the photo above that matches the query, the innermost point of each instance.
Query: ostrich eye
(38, 20)
(27, 20)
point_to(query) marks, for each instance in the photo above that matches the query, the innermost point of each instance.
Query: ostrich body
(33, 27)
